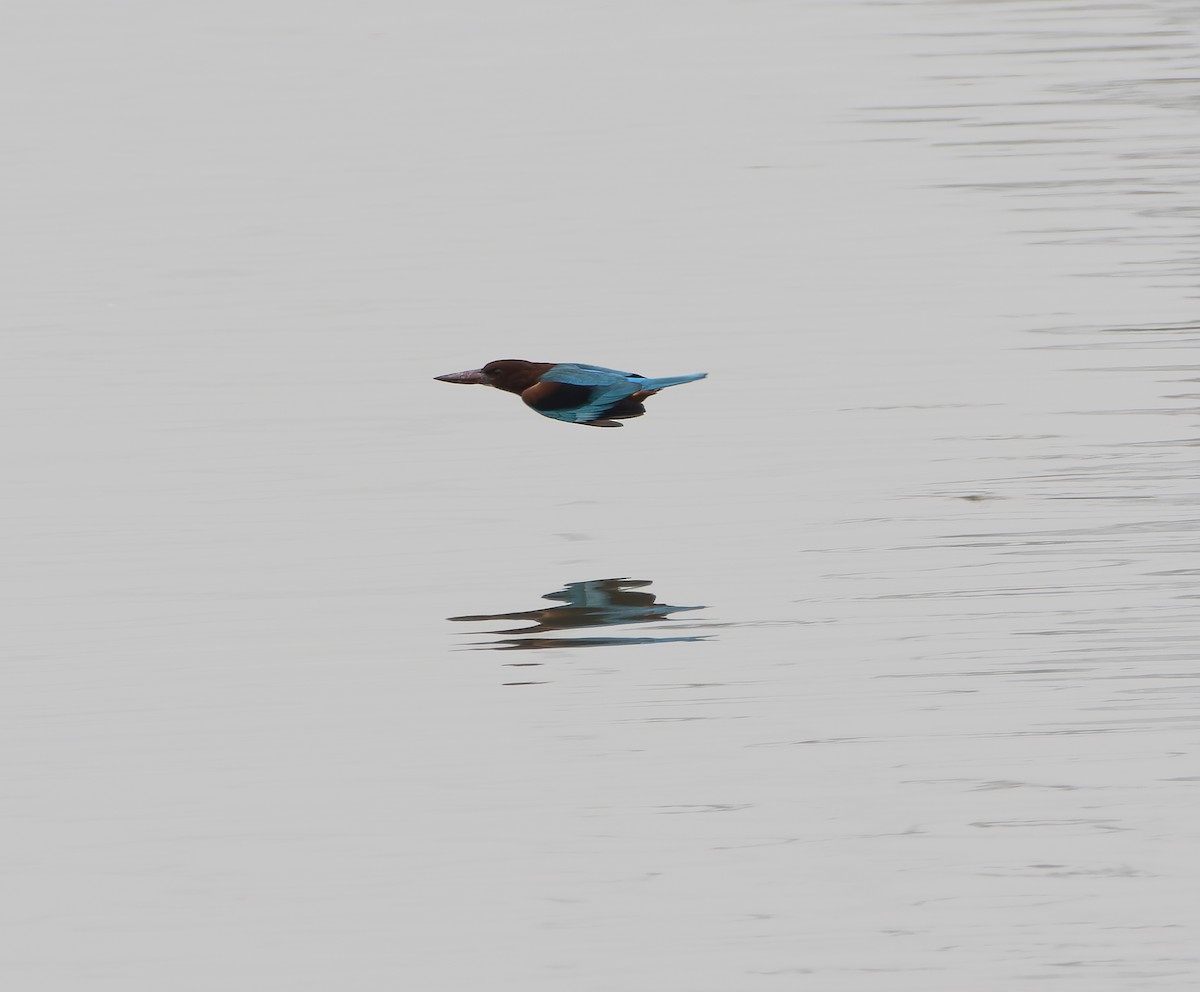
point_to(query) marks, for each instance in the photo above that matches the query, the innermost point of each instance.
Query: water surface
(326, 674)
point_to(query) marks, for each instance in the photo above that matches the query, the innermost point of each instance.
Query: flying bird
(575, 394)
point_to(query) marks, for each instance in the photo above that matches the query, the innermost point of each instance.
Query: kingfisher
(575, 394)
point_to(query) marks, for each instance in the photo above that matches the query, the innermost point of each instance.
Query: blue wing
(606, 388)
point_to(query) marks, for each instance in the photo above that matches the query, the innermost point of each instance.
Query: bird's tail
(652, 385)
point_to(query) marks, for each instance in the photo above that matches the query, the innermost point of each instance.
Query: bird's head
(510, 374)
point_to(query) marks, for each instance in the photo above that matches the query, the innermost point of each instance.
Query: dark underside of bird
(574, 394)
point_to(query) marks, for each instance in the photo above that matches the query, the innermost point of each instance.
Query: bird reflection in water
(597, 603)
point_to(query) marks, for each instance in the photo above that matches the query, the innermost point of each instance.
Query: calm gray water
(868, 662)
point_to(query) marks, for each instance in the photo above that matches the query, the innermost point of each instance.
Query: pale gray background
(938, 495)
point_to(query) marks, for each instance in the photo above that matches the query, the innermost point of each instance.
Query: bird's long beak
(473, 377)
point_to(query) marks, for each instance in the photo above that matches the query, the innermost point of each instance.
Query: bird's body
(574, 394)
